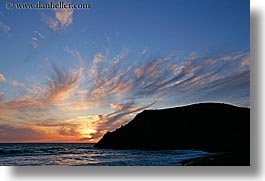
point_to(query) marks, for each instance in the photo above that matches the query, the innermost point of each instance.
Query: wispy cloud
(118, 117)
(123, 90)
(170, 76)
(92, 128)
(59, 88)
(39, 34)
(107, 38)
(61, 83)
(2, 78)
(1, 95)
(51, 22)
(17, 84)
(108, 78)
(36, 39)
(35, 42)
(65, 17)
(5, 27)
(62, 19)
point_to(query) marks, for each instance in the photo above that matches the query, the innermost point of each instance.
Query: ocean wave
(86, 154)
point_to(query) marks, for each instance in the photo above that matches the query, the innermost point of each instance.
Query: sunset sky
(72, 75)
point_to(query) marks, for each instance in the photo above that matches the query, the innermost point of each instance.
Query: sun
(87, 132)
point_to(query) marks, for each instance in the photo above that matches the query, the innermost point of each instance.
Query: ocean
(82, 154)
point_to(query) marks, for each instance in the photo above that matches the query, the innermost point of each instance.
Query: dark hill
(212, 127)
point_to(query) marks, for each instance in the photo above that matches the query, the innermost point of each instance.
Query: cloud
(36, 39)
(37, 33)
(123, 115)
(34, 89)
(5, 27)
(17, 84)
(124, 110)
(78, 127)
(144, 51)
(62, 128)
(107, 38)
(1, 95)
(62, 81)
(68, 132)
(245, 61)
(63, 18)
(35, 42)
(117, 89)
(12, 133)
(23, 102)
(2, 78)
(59, 87)
(163, 77)
(108, 78)
(166, 76)
(122, 106)
(75, 54)
(192, 74)
(196, 79)
(52, 23)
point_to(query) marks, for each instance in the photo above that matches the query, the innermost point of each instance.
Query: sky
(71, 75)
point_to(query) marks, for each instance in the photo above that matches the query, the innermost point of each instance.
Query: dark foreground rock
(211, 127)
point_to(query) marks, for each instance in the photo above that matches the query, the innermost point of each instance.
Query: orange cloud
(107, 84)
(79, 128)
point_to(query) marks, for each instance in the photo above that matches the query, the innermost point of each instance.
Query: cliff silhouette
(212, 127)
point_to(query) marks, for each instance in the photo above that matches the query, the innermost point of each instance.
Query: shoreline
(216, 159)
